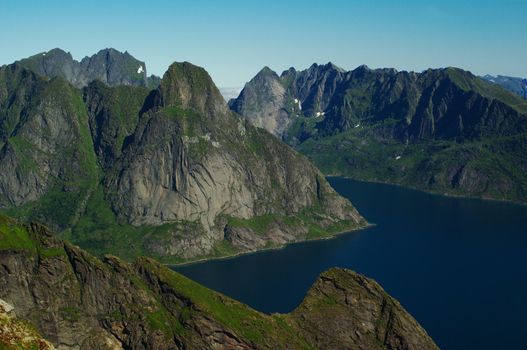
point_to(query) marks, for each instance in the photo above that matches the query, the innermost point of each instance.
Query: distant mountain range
(442, 130)
(516, 85)
(109, 66)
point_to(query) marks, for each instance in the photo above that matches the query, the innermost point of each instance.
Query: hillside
(77, 301)
(442, 130)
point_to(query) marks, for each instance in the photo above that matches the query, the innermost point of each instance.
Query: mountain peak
(363, 68)
(331, 65)
(191, 87)
(266, 71)
(108, 65)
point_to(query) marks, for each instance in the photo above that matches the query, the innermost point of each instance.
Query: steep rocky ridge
(79, 302)
(109, 66)
(170, 173)
(442, 130)
(194, 162)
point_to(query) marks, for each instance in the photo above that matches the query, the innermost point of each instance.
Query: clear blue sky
(234, 39)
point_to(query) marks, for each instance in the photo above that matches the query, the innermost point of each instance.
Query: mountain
(109, 66)
(77, 301)
(170, 173)
(516, 85)
(442, 130)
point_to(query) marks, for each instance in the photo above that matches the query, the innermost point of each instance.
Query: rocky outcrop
(415, 129)
(79, 302)
(109, 66)
(174, 168)
(354, 312)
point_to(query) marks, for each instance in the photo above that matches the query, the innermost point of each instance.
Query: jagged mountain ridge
(442, 130)
(170, 173)
(109, 66)
(513, 84)
(77, 301)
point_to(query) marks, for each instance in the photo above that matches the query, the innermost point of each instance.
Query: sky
(234, 39)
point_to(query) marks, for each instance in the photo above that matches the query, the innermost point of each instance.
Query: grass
(428, 164)
(15, 237)
(99, 231)
(244, 321)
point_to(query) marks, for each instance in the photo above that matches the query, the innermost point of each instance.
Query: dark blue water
(459, 266)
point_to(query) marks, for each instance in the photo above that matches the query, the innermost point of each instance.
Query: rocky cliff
(169, 172)
(109, 66)
(443, 130)
(79, 302)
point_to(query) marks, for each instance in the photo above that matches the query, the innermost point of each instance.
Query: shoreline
(283, 246)
(435, 193)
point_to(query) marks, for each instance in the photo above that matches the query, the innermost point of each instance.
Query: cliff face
(170, 173)
(442, 130)
(192, 160)
(79, 302)
(264, 100)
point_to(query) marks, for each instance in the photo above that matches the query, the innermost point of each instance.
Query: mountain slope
(79, 302)
(516, 85)
(171, 173)
(109, 66)
(441, 130)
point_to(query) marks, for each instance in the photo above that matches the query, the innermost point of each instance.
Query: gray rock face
(263, 100)
(183, 167)
(109, 66)
(273, 102)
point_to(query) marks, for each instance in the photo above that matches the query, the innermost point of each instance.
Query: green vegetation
(99, 231)
(16, 237)
(312, 219)
(485, 168)
(244, 321)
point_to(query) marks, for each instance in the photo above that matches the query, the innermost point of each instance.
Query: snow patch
(297, 101)
(357, 125)
(398, 157)
(140, 70)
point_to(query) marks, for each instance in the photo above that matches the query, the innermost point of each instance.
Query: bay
(458, 265)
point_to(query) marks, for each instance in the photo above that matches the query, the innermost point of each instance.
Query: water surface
(459, 266)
